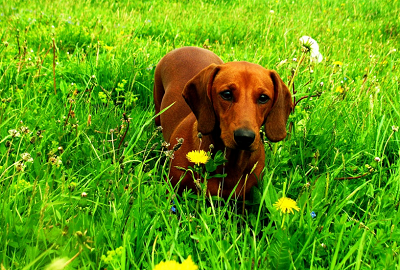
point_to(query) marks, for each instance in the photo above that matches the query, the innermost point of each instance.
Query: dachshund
(227, 103)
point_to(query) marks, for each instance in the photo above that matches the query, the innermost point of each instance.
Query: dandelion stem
(300, 99)
(296, 70)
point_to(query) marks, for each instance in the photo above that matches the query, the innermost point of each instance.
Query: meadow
(83, 167)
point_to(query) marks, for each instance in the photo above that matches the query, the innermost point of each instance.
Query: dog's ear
(275, 124)
(197, 94)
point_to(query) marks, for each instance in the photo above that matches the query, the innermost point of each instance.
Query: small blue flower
(313, 215)
(173, 208)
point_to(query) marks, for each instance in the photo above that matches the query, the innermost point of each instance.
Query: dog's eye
(227, 95)
(263, 99)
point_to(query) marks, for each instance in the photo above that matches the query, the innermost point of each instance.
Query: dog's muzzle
(244, 138)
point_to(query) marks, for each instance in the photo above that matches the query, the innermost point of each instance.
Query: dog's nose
(244, 137)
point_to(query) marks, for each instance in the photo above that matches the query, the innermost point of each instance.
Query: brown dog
(228, 103)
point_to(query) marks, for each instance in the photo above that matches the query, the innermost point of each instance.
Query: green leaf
(211, 166)
(279, 251)
(318, 192)
(219, 158)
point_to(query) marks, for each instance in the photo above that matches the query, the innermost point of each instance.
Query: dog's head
(239, 97)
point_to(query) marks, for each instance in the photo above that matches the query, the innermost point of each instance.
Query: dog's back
(171, 75)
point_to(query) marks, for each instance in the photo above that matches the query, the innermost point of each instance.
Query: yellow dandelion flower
(337, 63)
(286, 205)
(339, 89)
(167, 265)
(198, 157)
(108, 48)
(187, 264)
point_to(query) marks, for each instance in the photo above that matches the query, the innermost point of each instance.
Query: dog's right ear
(197, 93)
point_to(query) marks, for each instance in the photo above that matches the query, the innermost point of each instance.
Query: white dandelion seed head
(316, 57)
(309, 42)
(313, 47)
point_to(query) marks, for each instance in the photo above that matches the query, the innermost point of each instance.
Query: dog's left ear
(197, 94)
(275, 124)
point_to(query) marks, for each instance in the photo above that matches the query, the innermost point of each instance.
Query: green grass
(106, 52)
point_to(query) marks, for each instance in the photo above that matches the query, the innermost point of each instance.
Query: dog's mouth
(242, 147)
(245, 148)
(233, 145)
